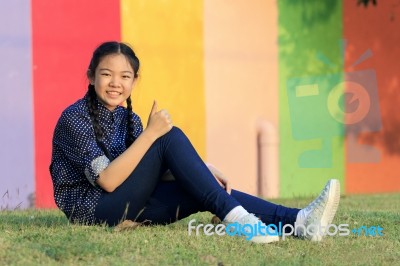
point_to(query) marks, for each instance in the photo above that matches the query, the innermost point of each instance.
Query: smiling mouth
(114, 93)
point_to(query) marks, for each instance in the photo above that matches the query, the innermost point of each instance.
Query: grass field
(44, 237)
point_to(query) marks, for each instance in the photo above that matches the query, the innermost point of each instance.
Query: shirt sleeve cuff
(97, 166)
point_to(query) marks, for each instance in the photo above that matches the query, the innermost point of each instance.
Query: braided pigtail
(130, 138)
(94, 112)
(94, 116)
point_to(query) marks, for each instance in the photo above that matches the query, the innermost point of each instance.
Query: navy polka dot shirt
(77, 160)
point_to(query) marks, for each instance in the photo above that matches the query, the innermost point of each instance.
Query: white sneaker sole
(330, 208)
(264, 239)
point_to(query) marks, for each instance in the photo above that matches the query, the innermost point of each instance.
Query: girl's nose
(114, 82)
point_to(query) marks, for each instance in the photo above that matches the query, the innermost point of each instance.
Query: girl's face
(113, 80)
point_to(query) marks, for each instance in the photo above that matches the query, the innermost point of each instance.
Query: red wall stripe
(376, 28)
(64, 34)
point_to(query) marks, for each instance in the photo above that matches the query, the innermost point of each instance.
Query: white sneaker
(320, 212)
(248, 227)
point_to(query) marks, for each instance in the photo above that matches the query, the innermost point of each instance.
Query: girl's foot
(255, 230)
(313, 220)
(241, 223)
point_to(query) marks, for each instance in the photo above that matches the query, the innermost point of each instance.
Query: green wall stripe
(310, 66)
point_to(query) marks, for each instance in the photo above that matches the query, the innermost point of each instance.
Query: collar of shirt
(115, 116)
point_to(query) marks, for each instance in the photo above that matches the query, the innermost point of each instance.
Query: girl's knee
(175, 135)
(175, 131)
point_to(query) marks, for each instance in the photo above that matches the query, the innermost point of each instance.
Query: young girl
(106, 168)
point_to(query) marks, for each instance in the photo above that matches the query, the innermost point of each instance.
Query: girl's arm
(221, 178)
(122, 166)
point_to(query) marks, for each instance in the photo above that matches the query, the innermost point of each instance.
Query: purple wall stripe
(16, 110)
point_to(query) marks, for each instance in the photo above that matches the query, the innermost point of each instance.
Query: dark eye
(105, 74)
(126, 77)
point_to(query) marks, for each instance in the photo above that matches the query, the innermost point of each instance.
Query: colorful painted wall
(311, 142)
(280, 95)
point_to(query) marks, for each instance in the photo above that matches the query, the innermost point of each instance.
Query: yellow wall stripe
(168, 39)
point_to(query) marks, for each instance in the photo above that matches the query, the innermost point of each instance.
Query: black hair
(109, 48)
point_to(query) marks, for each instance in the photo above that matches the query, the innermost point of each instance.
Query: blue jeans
(143, 196)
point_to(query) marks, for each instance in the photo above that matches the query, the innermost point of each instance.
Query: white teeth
(113, 93)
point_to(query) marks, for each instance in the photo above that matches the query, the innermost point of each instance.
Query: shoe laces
(318, 205)
(249, 219)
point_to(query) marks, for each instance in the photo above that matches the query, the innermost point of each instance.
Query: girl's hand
(159, 123)
(220, 177)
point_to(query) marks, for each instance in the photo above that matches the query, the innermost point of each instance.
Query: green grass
(45, 237)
